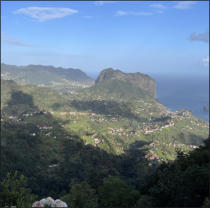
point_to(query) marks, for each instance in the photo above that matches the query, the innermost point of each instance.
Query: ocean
(187, 92)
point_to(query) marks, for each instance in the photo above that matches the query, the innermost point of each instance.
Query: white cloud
(158, 6)
(101, 3)
(204, 37)
(123, 13)
(13, 41)
(46, 13)
(184, 5)
(206, 61)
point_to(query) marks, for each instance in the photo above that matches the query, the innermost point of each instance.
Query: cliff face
(138, 80)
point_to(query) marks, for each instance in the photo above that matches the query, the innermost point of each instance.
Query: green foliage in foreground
(115, 193)
(14, 191)
(182, 183)
(81, 196)
(206, 203)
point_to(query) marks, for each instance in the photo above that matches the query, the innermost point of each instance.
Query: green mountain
(126, 82)
(46, 76)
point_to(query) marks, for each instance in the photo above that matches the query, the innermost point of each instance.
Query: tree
(206, 203)
(81, 196)
(115, 193)
(14, 191)
(183, 182)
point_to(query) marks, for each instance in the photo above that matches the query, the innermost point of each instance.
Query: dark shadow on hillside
(193, 139)
(29, 150)
(106, 107)
(19, 103)
(138, 144)
(18, 97)
(134, 165)
(137, 149)
(196, 140)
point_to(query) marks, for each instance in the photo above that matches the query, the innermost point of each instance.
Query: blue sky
(146, 36)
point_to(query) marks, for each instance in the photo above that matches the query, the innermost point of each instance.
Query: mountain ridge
(49, 76)
(139, 80)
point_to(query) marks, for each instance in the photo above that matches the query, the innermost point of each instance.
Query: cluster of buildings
(118, 132)
(152, 156)
(95, 118)
(150, 128)
(96, 139)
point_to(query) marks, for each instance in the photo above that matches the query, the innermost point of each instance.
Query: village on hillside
(113, 127)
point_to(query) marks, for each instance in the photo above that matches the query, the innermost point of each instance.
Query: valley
(97, 130)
